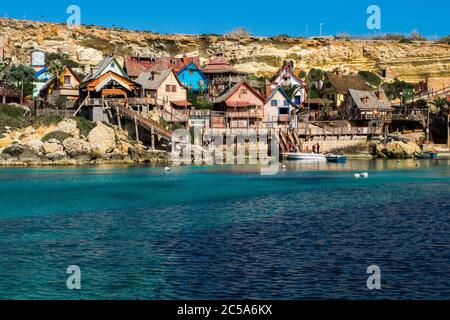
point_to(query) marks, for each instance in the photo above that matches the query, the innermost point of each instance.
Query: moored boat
(304, 156)
(336, 158)
(426, 155)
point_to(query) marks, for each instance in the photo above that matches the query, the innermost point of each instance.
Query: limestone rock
(117, 155)
(35, 145)
(76, 147)
(68, 126)
(54, 156)
(5, 141)
(29, 157)
(52, 146)
(260, 55)
(102, 138)
(15, 150)
(396, 149)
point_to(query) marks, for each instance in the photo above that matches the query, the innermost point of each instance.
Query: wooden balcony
(244, 114)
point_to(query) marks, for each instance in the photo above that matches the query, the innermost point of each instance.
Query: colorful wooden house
(240, 107)
(367, 105)
(286, 77)
(193, 78)
(64, 91)
(40, 78)
(279, 109)
(106, 81)
(162, 88)
(222, 76)
(135, 65)
(336, 86)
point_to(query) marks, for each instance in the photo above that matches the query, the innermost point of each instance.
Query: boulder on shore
(52, 146)
(68, 126)
(15, 150)
(76, 147)
(102, 138)
(396, 150)
(36, 145)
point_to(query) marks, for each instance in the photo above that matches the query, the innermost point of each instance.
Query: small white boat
(305, 156)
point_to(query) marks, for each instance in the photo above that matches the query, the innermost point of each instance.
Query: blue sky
(261, 17)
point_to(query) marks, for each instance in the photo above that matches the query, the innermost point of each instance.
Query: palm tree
(291, 90)
(56, 68)
(442, 107)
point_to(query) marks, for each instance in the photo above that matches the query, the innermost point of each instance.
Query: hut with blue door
(193, 78)
(279, 109)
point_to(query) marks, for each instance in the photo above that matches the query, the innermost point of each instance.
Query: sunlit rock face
(259, 55)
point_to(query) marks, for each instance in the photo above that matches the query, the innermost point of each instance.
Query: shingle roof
(196, 68)
(152, 80)
(372, 101)
(219, 64)
(98, 69)
(290, 72)
(224, 97)
(343, 83)
(136, 65)
(274, 91)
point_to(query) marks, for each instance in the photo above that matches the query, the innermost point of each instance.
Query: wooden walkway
(429, 96)
(143, 122)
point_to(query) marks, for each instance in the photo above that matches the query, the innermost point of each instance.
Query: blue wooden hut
(193, 78)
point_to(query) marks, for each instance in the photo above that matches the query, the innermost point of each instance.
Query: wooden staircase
(143, 122)
(288, 137)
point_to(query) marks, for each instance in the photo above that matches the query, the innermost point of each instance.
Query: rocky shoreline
(81, 142)
(64, 144)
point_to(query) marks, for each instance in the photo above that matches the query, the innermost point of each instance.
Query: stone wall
(333, 144)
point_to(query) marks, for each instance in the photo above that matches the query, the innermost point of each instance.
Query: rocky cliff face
(262, 56)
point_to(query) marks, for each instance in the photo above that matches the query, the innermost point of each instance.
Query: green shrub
(11, 116)
(57, 135)
(371, 78)
(407, 41)
(85, 125)
(11, 111)
(199, 102)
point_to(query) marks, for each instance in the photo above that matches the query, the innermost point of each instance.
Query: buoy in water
(166, 169)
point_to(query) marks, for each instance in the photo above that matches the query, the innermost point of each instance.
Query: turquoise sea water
(226, 232)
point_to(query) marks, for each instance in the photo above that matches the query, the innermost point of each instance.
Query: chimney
(380, 94)
(289, 64)
(268, 89)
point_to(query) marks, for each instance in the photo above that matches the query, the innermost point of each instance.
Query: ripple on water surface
(226, 232)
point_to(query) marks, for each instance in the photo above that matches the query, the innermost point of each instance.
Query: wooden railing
(143, 121)
(65, 113)
(317, 131)
(428, 95)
